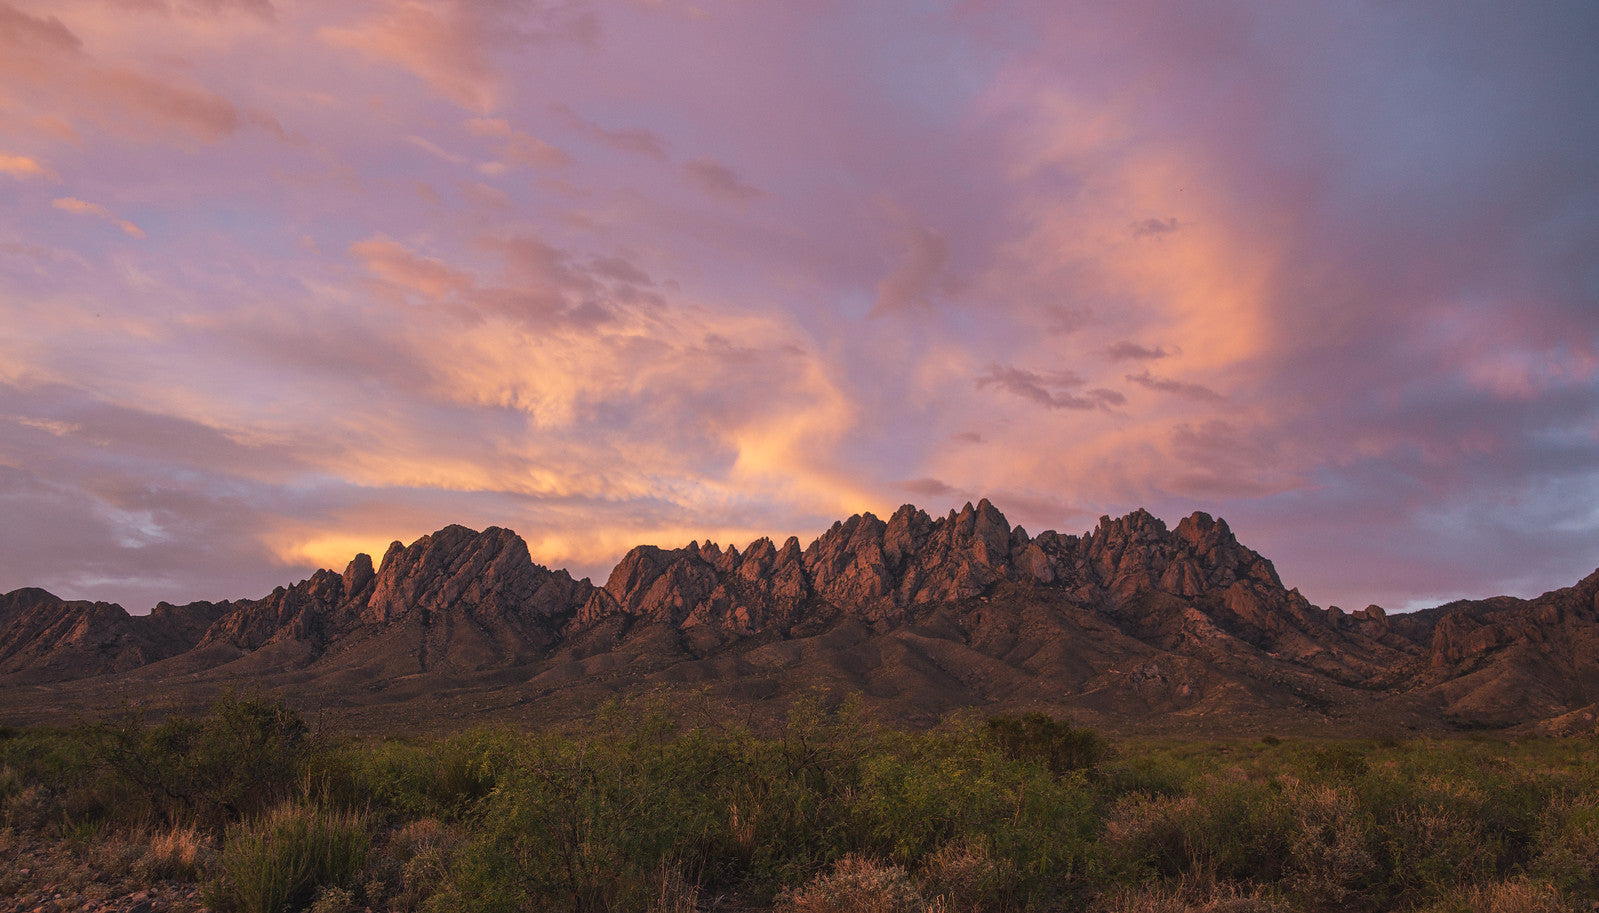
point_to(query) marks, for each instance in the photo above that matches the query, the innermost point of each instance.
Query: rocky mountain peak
(460, 570)
(44, 638)
(963, 605)
(358, 573)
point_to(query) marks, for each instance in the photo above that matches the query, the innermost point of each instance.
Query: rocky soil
(39, 875)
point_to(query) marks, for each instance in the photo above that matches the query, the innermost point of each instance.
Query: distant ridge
(1131, 625)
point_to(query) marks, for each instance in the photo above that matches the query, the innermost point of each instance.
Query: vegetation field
(650, 808)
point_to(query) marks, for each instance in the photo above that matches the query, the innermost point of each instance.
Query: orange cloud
(434, 41)
(450, 43)
(22, 167)
(396, 265)
(47, 62)
(79, 207)
(204, 115)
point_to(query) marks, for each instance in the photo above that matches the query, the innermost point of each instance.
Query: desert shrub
(51, 778)
(1434, 848)
(581, 826)
(1150, 833)
(788, 805)
(32, 808)
(441, 778)
(411, 865)
(1431, 832)
(1227, 829)
(333, 899)
(245, 757)
(1343, 762)
(1568, 846)
(1329, 842)
(856, 884)
(966, 876)
(1153, 770)
(117, 855)
(918, 795)
(1056, 744)
(278, 860)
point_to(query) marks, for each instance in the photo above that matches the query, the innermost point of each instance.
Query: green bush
(247, 756)
(1056, 744)
(1232, 829)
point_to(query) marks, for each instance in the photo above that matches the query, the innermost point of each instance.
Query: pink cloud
(516, 146)
(22, 167)
(35, 34)
(79, 207)
(719, 181)
(633, 140)
(48, 62)
(452, 43)
(394, 264)
(914, 282)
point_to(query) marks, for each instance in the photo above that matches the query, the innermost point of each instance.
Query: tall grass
(276, 862)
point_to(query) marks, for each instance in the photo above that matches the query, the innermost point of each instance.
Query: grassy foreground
(645, 811)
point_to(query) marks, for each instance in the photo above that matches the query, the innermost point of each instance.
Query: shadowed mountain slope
(1133, 624)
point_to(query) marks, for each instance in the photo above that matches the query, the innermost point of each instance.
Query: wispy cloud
(915, 281)
(719, 181)
(1132, 351)
(1054, 389)
(1178, 387)
(633, 140)
(81, 208)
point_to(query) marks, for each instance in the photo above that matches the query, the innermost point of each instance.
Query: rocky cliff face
(1129, 618)
(883, 573)
(43, 638)
(453, 597)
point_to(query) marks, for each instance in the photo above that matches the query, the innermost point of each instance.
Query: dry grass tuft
(1211, 899)
(858, 885)
(1505, 897)
(673, 892)
(177, 853)
(967, 877)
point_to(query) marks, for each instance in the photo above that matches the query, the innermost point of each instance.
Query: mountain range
(1133, 627)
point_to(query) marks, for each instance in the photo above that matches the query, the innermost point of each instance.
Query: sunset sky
(284, 280)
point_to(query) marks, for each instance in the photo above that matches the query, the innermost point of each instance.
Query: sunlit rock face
(1133, 617)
